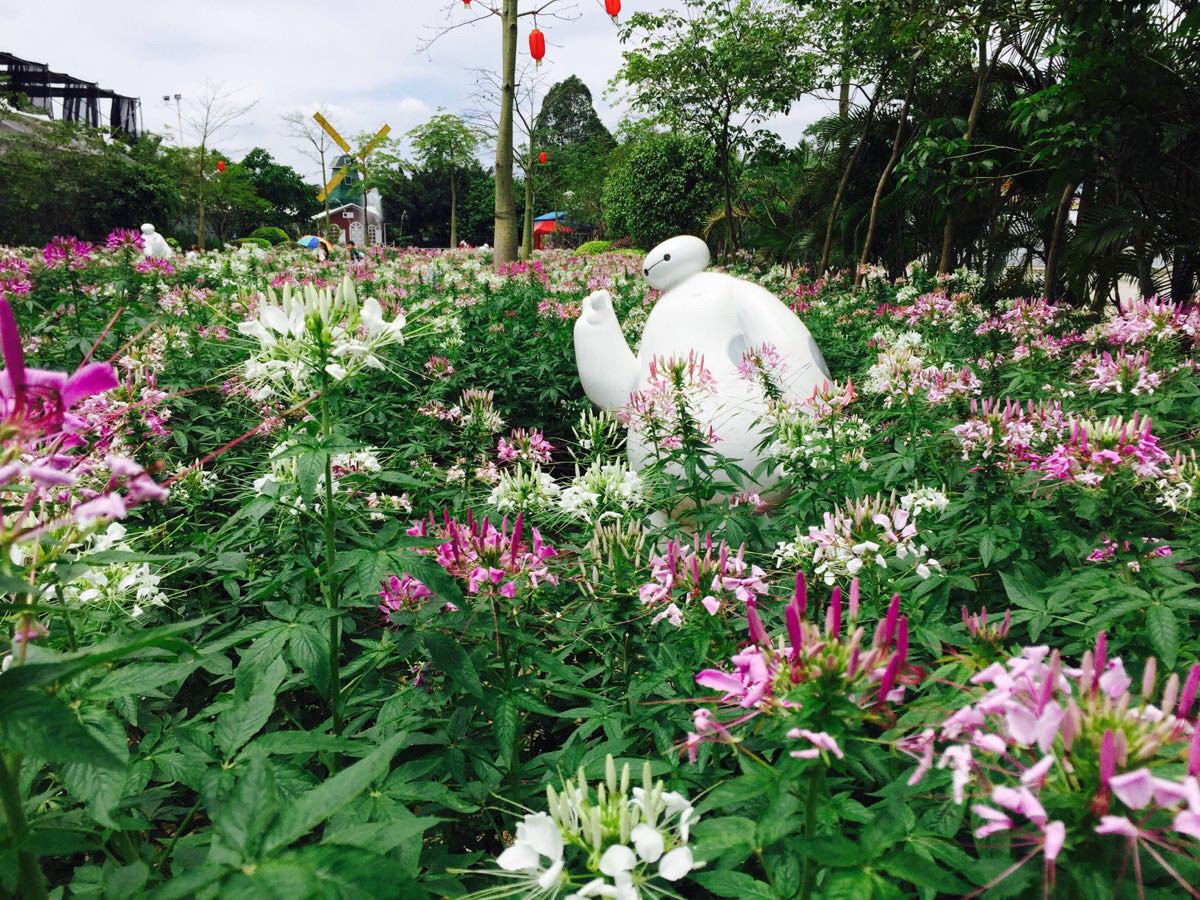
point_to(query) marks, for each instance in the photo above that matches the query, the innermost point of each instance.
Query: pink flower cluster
(937, 308)
(1152, 319)
(706, 573)
(489, 558)
(1120, 374)
(979, 629)
(824, 667)
(831, 399)
(664, 410)
(1048, 746)
(1152, 548)
(1013, 433)
(438, 368)
(66, 251)
(524, 446)
(124, 237)
(155, 266)
(405, 594)
(14, 276)
(1096, 450)
(43, 440)
(761, 364)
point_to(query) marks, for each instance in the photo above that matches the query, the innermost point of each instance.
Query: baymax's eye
(667, 257)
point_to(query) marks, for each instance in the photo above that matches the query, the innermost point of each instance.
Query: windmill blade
(332, 132)
(374, 142)
(333, 183)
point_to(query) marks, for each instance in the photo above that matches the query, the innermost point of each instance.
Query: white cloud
(361, 60)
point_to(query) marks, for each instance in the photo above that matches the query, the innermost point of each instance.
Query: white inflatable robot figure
(717, 316)
(154, 245)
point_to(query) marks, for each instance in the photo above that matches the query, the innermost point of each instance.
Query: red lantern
(613, 8)
(537, 45)
(466, 3)
(543, 158)
(220, 165)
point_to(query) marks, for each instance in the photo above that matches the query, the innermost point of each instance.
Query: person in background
(322, 251)
(355, 253)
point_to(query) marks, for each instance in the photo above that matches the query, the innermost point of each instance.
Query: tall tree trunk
(1054, 252)
(835, 208)
(946, 260)
(1184, 269)
(880, 187)
(726, 164)
(527, 231)
(506, 202)
(453, 212)
(200, 212)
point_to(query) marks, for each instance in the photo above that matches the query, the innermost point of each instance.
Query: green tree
(718, 69)
(291, 199)
(445, 145)
(64, 178)
(660, 185)
(510, 14)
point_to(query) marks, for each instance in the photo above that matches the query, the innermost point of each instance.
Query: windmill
(348, 165)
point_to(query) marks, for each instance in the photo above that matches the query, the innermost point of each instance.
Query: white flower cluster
(900, 371)
(125, 587)
(801, 442)
(281, 480)
(924, 499)
(524, 490)
(616, 844)
(309, 328)
(604, 489)
(862, 534)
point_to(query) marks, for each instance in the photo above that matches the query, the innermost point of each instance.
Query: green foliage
(62, 178)
(271, 234)
(661, 185)
(592, 247)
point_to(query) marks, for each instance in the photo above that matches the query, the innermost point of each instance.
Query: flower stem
(30, 882)
(328, 588)
(816, 784)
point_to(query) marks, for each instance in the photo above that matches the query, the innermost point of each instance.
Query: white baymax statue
(154, 244)
(717, 316)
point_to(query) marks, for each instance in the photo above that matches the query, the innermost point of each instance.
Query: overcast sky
(359, 59)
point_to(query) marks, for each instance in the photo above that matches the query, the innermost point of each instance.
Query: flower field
(324, 579)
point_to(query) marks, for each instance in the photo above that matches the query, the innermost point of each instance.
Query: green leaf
(922, 872)
(40, 726)
(314, 807)
(1163, 628)
(284, 743)
(249, 809)
(309, 650)
(453, 662)
(733, 884)
(122, 645)
(504, 726)
(246, 717)
(849, 886)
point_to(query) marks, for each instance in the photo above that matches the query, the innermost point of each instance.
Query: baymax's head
(673, 262)
(147, 229)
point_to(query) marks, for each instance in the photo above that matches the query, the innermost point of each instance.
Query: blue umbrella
(310, 241)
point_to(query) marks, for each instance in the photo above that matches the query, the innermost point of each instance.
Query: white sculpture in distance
(154, 245)
(718, 317)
